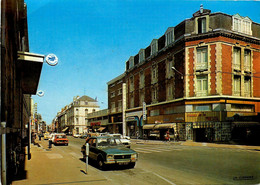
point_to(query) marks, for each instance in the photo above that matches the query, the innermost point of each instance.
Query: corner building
(201, 79)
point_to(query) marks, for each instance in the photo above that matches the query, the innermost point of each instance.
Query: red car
(61, 139)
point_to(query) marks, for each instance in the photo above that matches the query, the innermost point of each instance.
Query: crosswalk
(155, 149)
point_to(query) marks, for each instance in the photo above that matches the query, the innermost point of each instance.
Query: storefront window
(202, 108)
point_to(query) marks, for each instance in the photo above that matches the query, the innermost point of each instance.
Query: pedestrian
(167, 135)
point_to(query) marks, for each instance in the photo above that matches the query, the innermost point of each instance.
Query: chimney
(201, 8)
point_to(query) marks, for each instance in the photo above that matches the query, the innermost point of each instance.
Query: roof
(86, 98)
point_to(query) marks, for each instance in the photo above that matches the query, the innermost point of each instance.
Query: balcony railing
(237, 93)
(202, 66)
(247, 67)
(236, 66)
(202, 93)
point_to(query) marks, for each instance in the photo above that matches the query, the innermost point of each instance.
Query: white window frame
(113, 107)
(154, 46)
(237, 58)
(112, 94)
(241, 24)
(154, 94)
(131, 62)
(169, 36)
(237, 85)
(202, 85)
(169, 71)
(141, 95)
(202, 58)
(131, 82)
(141, 55)
(247, 86)
(247, 60)
(142, 79)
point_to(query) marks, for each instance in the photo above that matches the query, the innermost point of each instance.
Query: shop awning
(246, 124)
(158, 126)
(65, 129)
(101, 129)
(30, 66)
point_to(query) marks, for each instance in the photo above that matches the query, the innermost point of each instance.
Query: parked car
(106, 150)
(76, 135)
(60, 139)
(125, 140)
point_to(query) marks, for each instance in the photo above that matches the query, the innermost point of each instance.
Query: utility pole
(124, 108)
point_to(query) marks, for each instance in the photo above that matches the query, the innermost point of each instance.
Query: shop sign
(144, 111)
(130, 118)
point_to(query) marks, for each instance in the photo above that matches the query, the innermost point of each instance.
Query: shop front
(134, 124)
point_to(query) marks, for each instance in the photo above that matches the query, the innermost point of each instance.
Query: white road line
(163, 178)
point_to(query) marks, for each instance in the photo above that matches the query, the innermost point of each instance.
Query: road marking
(54, 156)
(163, 178)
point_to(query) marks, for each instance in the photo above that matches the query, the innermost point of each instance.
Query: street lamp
(173, 68)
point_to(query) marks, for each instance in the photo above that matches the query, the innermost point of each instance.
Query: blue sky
(94, 38)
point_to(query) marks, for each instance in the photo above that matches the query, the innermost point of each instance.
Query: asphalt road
(177, 164)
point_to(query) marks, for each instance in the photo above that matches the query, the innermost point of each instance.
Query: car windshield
(60, 136)
(109, 142)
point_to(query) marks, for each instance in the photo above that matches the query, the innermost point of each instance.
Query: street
(158, 163)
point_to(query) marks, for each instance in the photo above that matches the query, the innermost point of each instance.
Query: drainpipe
(1, 159)
(3, 124)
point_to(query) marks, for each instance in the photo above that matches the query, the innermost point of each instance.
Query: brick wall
(256, 74)
(226, 69)
(213, 69)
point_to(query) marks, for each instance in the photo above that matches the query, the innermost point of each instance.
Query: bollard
(50, 144)
(87, 153)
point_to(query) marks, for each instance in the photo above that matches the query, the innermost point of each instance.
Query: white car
(125, 140)
(76, 135)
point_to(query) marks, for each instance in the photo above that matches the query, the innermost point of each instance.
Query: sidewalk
(192, 143)
(57, 167)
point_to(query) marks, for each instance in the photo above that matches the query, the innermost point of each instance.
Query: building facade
(74, 117)
(199, 80)
(20, 74)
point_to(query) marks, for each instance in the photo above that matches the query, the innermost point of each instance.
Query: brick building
(200, 80)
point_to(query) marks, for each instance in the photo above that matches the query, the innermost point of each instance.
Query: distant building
(73, 117)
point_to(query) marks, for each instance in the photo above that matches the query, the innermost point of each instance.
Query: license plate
(123, 163)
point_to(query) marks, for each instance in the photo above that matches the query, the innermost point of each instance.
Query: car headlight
(110, 157)
(134, 156)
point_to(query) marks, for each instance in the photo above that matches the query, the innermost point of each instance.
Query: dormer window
(202, 25)
(169, 36)
(241, 24)
(141, 55)
(131, 62)
(154, 46)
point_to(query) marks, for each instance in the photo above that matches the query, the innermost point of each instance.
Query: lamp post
(173, 68)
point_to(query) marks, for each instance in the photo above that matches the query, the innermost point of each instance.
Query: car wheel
(131, 165)
(101, 164)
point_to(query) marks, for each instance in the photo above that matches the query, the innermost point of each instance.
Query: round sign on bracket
(51, 59)
(40, 93)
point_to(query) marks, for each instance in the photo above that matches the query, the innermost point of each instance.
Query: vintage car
(60, 139)
(106, 150)
(125, 140)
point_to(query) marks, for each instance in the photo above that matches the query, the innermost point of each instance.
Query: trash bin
(50, 143)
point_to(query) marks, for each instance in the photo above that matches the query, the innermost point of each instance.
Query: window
(113, 107)
(202, 85)
(119, 105)
(170, 90)
(141, 97)
(131, 84)
(247, 86)
(202, 59)
(247, 60)
(141, 79)
(242, 24)
(202, 108)
(202, 25)
(112, 94)
(119, 91)
(131, 62)
(154, 74)
(155, 112)
(131, 101)
(242, 108)
(154, 94)
(94, 110)
(77, 121)
(154, 46)
(86, 103)
(169, 70)
(237, 85)
(141, 56)
(169, 36)
(237, 58)
(86, 121)
(86, 112)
